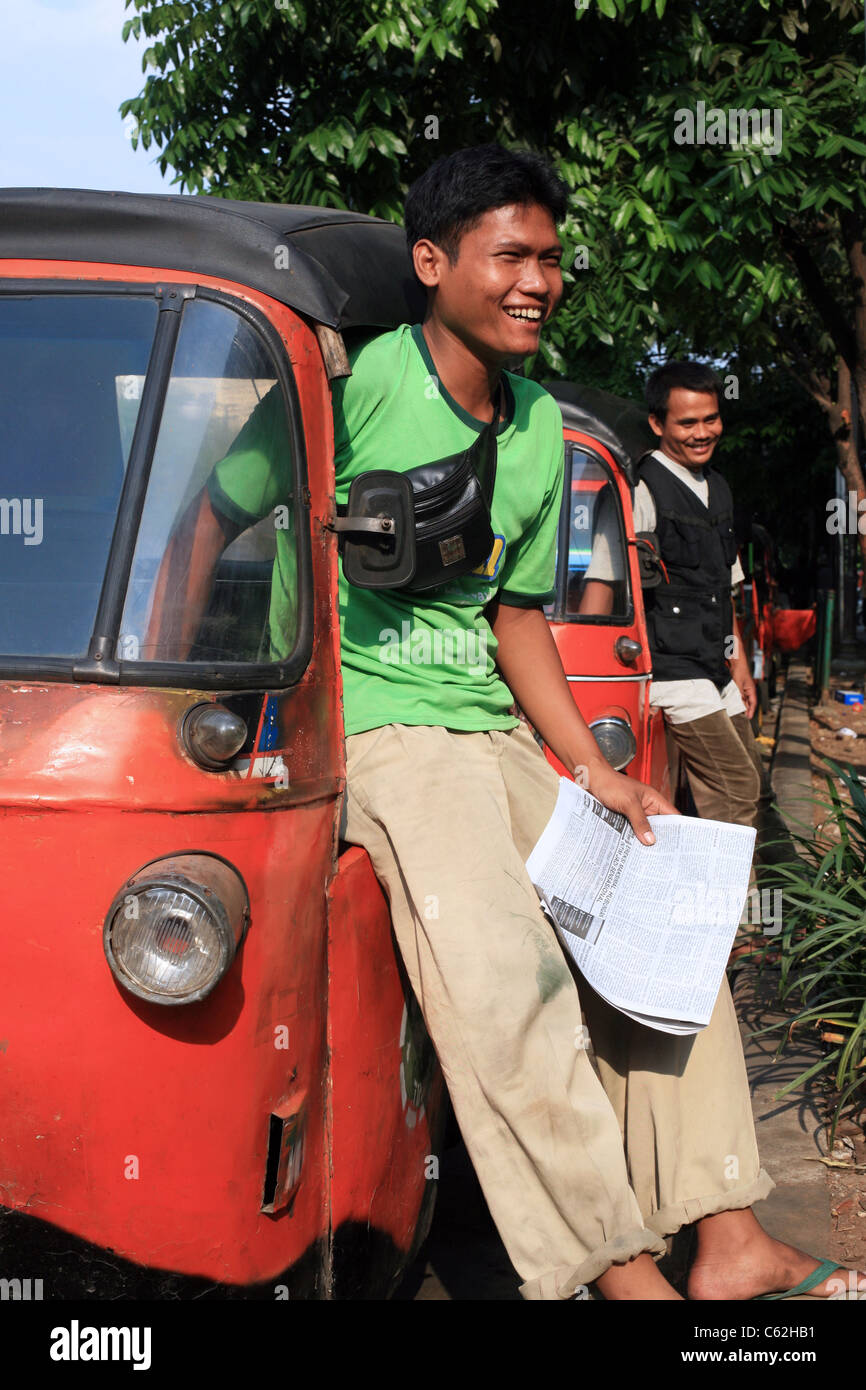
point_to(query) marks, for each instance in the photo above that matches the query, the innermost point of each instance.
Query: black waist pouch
(417, 530)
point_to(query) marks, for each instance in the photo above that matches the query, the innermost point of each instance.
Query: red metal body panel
(144, 1128)
(601, 683)
(386, 1091)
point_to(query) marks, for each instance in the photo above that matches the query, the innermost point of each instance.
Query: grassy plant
(822, 947)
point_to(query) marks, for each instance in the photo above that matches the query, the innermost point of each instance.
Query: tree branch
(852, 237)
(817, 395)
(822, 298)
(816, 386)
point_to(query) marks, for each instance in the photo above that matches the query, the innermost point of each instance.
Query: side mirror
(377, 531)
(652, 571)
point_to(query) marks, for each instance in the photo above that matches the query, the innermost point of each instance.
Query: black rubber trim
(29, 288)
(101, 664)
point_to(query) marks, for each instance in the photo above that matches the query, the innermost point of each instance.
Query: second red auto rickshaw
(606, 653)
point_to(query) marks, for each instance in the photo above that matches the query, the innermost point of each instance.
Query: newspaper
(650, 927)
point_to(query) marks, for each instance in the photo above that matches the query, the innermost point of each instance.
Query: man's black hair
(691, 376)
(452, 196)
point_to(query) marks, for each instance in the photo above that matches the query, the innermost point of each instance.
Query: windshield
(214, 574)
(594, 581)
(64, 362)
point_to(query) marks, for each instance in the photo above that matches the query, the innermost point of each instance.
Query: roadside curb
(790, 1130)
(790, 773)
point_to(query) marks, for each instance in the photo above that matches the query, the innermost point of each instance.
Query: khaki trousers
(583, 1162)
(728, 781)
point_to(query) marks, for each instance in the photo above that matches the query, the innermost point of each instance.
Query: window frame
(563, 536)
(100, 665)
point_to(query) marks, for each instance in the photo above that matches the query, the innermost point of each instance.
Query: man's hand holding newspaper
(649, 927)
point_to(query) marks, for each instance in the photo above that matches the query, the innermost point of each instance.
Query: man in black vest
(701, 677)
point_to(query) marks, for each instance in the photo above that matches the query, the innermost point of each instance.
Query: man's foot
(737, 1260)
(639, 1279)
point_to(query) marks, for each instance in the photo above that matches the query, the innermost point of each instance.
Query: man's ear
(428, 259)
(656, 425)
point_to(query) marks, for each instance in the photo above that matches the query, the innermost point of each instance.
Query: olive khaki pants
(728, 781)
(592, 1136)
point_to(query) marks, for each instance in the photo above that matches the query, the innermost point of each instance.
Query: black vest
(690, 617)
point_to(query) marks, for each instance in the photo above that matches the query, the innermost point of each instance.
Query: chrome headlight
(174, 928)
(212, 735)
(615, 739)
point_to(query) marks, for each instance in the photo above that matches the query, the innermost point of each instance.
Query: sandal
(802, 1290)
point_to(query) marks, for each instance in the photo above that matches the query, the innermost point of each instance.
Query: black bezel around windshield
(563, 537)
(100, 666)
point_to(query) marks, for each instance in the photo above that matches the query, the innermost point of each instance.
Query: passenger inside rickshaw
(215, 572)
(597, 540)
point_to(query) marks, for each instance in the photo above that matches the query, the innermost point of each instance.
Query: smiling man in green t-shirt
(448, 793)
(429, 659)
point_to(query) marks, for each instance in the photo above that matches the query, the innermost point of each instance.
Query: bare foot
(737, 1260)
(639, 1279)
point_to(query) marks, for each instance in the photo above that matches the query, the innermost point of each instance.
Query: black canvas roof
(344, 269)
(621, 425)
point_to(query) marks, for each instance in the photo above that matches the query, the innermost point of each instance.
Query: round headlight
(212, 734)
(616, 740)
(174, 928)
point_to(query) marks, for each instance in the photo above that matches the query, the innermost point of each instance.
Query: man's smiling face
(504, 286)
(691, 428)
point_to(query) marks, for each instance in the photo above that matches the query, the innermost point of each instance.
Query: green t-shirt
(429, 658)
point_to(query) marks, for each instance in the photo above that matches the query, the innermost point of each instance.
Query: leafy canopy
(302, 101)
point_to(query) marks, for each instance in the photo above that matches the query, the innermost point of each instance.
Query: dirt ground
(847, 1183)
(828, 719)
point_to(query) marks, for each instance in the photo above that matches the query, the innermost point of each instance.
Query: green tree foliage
(748, 244)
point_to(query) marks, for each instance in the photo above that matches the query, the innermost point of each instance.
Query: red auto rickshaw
(214, 1079)
(770, 632)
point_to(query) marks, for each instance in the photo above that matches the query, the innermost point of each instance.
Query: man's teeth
(534, 314)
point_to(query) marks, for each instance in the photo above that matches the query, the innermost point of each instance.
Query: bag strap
(484, 448)
(488, 449)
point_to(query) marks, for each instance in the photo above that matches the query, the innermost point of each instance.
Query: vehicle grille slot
(285, 1156)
